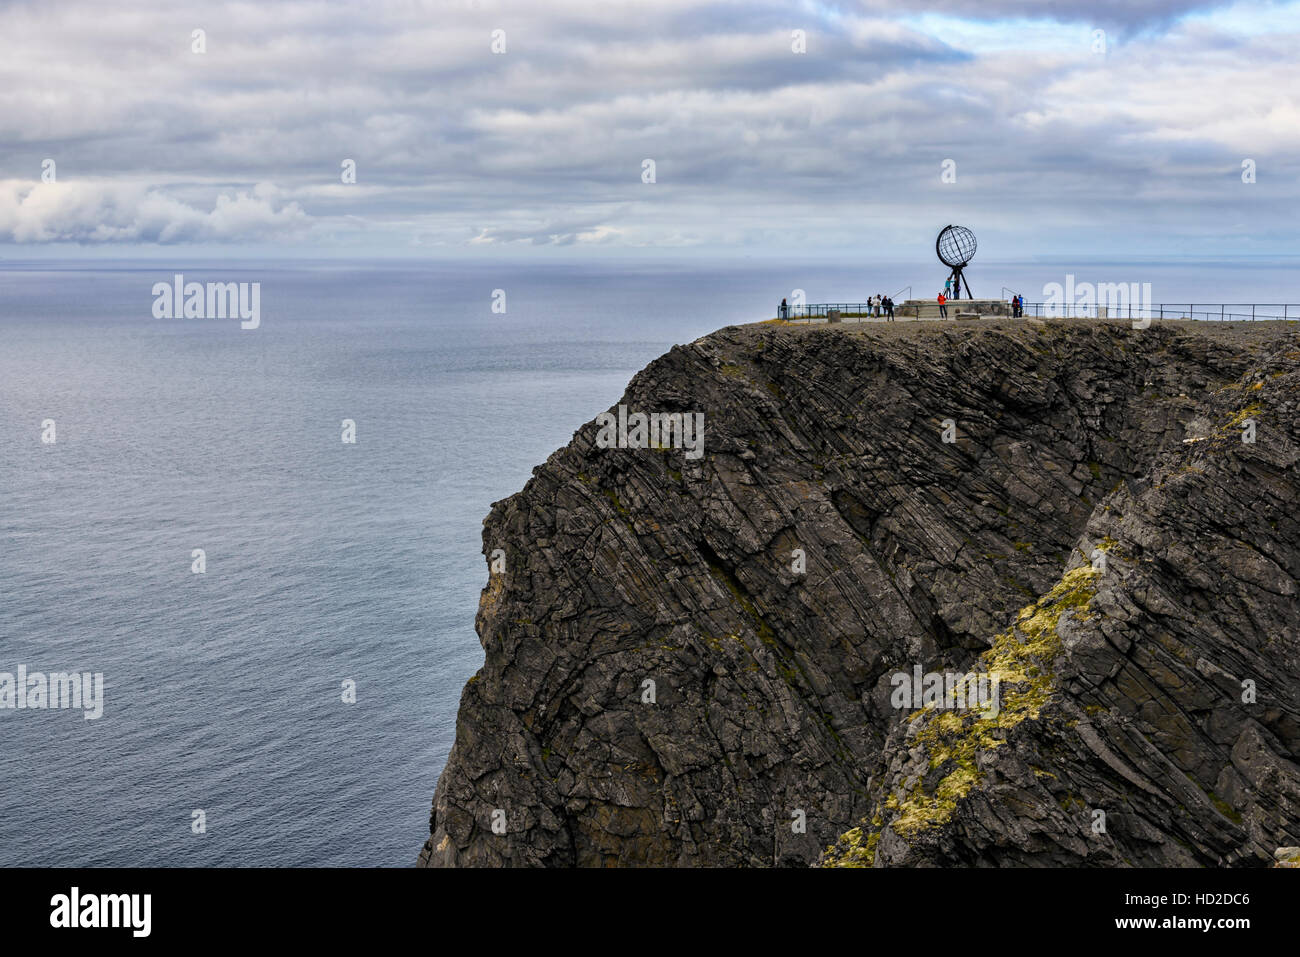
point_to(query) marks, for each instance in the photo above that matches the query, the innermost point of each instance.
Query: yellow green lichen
(1019, 661)
(1249, 412)
(852, 850)
(618, 506)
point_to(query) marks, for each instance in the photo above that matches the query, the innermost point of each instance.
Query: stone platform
(957, 309)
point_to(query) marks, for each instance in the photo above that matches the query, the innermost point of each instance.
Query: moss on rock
(1020, 661)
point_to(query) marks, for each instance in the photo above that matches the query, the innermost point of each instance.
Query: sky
(480, 128)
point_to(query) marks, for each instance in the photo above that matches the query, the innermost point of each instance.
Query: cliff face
(1098, 537)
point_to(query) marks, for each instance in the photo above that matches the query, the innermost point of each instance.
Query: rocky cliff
(695, 661)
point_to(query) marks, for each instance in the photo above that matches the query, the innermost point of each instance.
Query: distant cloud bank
(97, 212)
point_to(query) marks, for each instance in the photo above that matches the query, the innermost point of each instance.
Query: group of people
(944, 296)
(1017, 303)
(880, 305)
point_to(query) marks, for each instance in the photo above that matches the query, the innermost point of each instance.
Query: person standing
(889, 308)
(947, 287)
(943, 307)
(783, 312)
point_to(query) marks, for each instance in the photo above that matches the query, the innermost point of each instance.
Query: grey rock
(1134, 742)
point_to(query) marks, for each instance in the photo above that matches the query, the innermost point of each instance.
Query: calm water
(325, 561)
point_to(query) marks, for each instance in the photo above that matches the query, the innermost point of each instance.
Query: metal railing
(820, 310)
(1218, 312)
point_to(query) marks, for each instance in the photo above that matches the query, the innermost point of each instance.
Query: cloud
(90, 212)
(755, 145)
(549, 234)
(1122, 13)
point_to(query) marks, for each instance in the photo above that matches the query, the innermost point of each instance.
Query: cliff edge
(696, 661)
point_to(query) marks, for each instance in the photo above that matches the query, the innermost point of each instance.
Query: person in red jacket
(943, 308)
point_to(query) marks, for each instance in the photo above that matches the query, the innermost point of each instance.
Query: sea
(284, 620)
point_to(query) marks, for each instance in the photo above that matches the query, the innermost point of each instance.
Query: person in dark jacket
(783, 312)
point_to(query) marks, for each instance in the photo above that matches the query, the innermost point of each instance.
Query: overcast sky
(1058, 146)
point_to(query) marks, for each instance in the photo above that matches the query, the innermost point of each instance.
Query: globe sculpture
(955, 248)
